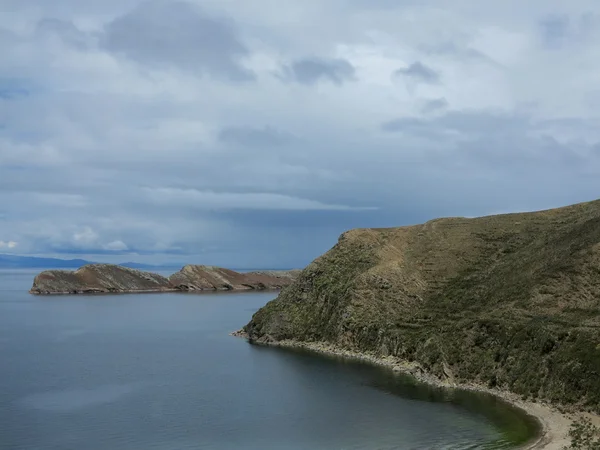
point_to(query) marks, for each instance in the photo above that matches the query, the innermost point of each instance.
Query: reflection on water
(517, 426)
(512, 426)
(74, 399)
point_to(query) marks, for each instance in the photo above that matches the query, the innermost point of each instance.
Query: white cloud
(9, 244)
(116, 246)
(86, 237)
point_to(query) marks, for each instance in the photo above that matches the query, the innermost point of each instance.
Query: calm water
(159, 371)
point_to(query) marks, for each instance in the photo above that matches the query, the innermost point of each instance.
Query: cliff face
(511, 301)
(99, 278)
(104, 278)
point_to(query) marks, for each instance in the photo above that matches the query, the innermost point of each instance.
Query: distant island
(509, 304)
(112, 278)
(34, 262)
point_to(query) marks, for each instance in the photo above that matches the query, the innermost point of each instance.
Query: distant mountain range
(33, 262)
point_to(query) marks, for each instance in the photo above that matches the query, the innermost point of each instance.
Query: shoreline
(554, 424)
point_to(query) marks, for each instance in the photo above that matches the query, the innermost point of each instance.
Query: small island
(111, 278)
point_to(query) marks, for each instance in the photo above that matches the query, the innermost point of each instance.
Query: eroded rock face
(109, 278)
(99, 278)
(202, 278)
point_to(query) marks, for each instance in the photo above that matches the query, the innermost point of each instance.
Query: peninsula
(110, 278)
(506, 303)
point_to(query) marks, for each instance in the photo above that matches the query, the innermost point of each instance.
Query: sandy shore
(555, 424)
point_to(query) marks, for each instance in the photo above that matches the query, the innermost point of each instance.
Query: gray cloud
(469, 123)
(113, 146)
(563, 30)
(554, 29)
(64, 30)
(494, 140)
(12, 90)
(413, 124)
(456, 49)
(179, 34)
(266, 136)
(434, 105)
(312, 70)
(419, 72)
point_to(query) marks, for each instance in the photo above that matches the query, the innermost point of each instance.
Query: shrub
(584, 436)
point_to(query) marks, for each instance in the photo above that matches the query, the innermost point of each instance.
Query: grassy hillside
(512, 301)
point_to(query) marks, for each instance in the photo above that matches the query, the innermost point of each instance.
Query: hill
(34, 262)
(25, 262)
(509, 301)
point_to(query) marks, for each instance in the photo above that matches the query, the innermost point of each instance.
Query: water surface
(159, 371)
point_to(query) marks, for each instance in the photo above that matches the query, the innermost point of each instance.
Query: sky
(253, 133)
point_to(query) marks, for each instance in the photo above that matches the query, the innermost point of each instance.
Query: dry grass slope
(512, 301)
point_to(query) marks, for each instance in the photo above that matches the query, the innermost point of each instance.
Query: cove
(496, 423)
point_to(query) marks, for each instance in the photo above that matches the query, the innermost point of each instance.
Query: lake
(160, 371)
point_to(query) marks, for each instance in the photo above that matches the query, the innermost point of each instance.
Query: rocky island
(507, 303)
(110, 278)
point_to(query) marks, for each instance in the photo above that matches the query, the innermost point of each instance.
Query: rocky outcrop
(99, 278)
(202, 278)
(510, 301)
(110, 278)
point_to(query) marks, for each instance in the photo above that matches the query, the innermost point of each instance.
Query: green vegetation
(510, 301)
(584, 436)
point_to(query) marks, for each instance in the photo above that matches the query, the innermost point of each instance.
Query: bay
(160, 371)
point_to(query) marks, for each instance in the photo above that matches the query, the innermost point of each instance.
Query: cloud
(419, 72)
(311, 70)
(49, 28)
(85, 237)
(554, 29)
(58, 199)
(222, 132)
(179, 34)
(194, 198)
(454, 49)
(14, 92)
(469, 124)
(434, 105)
(559, 30)
(8, 244)
(117, 246)
(266, 136)
(493, 140)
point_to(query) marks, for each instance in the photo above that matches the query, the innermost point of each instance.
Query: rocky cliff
(509, 301)
(106, 278)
